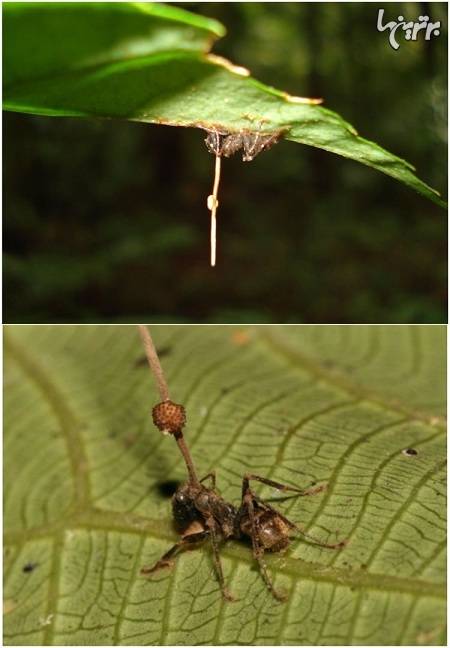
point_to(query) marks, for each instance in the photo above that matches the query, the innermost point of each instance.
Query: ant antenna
(212, 204)
(168, 417)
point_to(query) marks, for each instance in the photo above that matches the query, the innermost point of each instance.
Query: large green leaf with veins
(150, 62)
(84, 473)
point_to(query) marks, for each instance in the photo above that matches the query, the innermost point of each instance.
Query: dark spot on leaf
(164, 351)
(168, 488)
(143, 362)
(29, 567)
(410, 452)
(129, 440)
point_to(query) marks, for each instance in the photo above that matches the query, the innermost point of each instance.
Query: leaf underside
(151, 63)
(85, 476)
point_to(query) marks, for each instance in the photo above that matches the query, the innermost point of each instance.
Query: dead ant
(222, 142)
(200, 512)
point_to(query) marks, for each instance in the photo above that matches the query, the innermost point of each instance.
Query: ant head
(184, 509)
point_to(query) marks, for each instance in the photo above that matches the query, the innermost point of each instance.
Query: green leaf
(149, 62)
(84, 509)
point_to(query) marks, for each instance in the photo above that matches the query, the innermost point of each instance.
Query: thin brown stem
(153, 361)
(193, 477)
(155, 365)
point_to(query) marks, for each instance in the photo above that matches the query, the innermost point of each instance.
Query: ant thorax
(210, 503)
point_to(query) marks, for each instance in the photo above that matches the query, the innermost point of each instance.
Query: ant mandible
(200, 512)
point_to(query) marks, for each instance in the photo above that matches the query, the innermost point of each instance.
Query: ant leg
(211, 524)
(271, 140)
(258, 549)
(250, 142)
(248, 476)
(213, 478)
(294, 527)
(167, 559)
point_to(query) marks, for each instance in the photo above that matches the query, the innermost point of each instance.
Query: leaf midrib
(105, 68)
(92, 519)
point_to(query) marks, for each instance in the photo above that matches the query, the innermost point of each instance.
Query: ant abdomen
(273, 532)
(212, 505)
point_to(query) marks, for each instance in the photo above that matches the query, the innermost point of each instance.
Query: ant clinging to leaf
(201, 513)
(220, 143)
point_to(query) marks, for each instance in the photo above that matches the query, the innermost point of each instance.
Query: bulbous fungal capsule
(169, 417)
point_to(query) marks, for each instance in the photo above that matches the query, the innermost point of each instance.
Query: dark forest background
(106, 221)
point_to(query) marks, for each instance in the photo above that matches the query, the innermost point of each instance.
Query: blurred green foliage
(107, 221)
